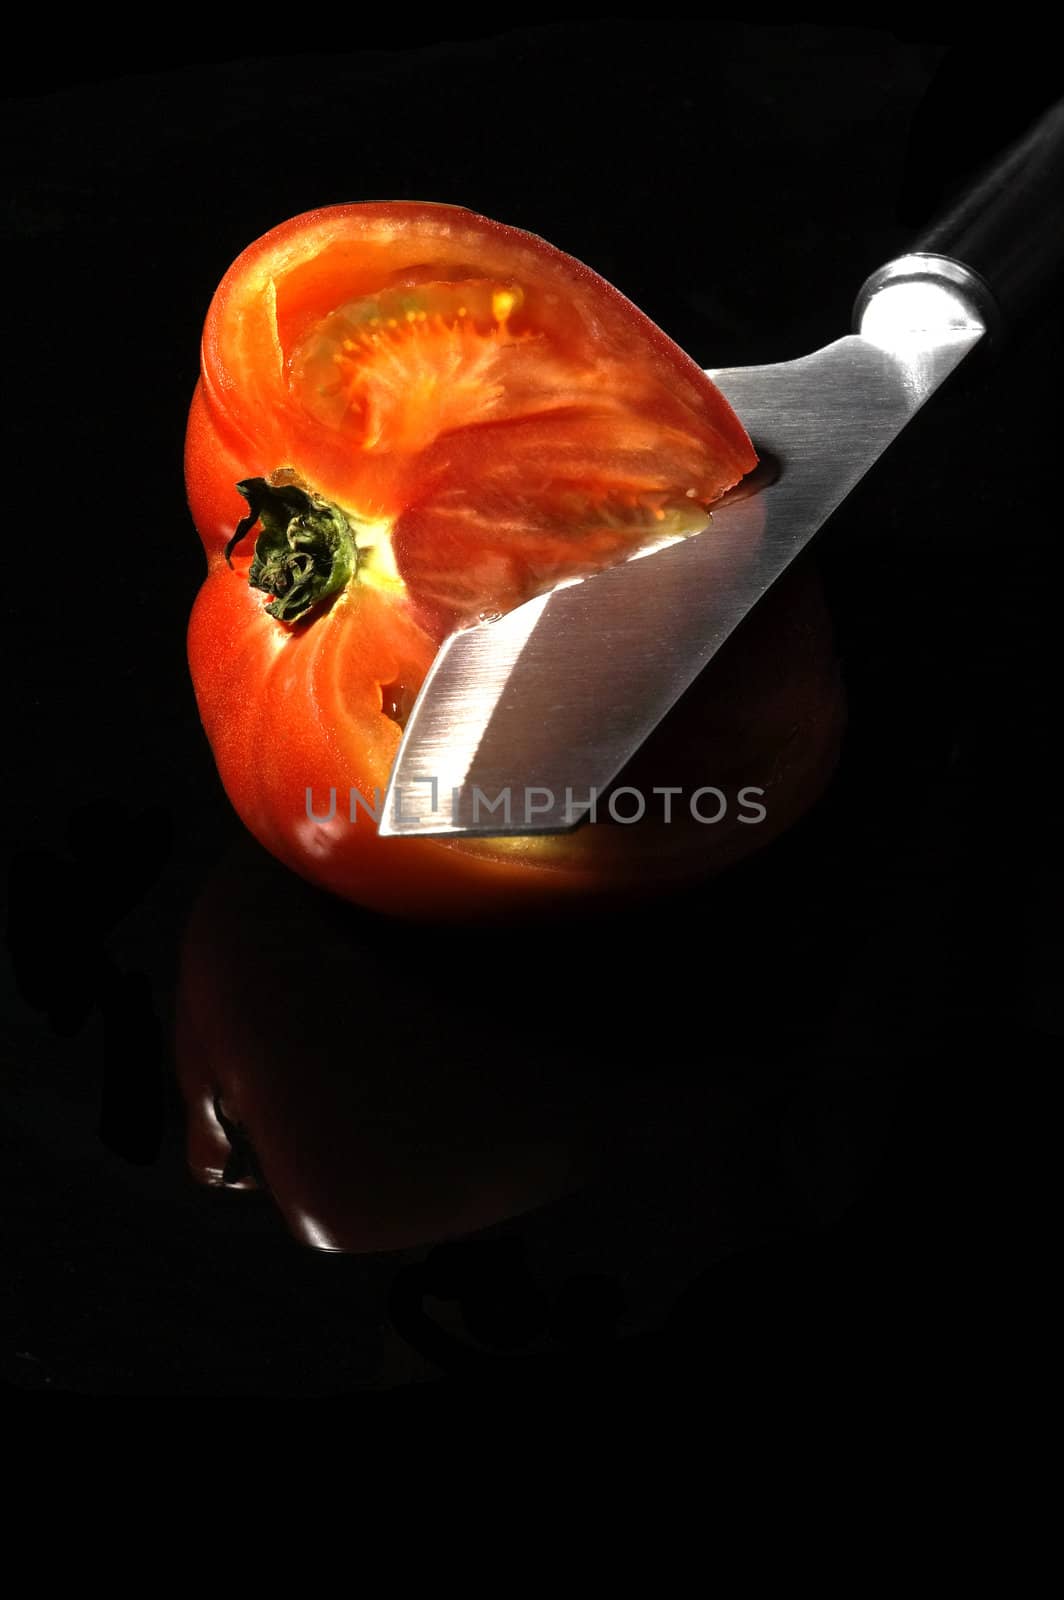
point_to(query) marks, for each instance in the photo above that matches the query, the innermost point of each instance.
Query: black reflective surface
(775, 1125)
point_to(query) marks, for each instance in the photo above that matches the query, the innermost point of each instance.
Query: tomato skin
(289, 709)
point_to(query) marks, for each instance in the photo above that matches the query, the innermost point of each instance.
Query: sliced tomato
(433, 417)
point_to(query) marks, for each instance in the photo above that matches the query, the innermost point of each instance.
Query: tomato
(408, 417)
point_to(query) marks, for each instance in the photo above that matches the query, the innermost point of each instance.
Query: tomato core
(401, 367)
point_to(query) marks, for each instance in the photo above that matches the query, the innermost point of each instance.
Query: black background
(876, 1000)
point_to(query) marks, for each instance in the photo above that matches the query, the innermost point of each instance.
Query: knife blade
(523, 722)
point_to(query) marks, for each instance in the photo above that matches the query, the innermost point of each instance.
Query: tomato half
(408, 417)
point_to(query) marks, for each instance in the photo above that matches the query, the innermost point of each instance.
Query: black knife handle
(1009, 228)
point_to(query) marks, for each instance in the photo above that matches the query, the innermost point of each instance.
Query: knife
(522, 723)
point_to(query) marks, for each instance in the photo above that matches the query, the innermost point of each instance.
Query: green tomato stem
(305, 551)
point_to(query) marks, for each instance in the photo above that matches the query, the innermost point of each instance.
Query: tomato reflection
(393, 1084)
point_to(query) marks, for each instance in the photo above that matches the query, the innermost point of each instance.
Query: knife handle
(1009, 228)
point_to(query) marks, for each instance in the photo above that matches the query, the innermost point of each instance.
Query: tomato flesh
(508, 445)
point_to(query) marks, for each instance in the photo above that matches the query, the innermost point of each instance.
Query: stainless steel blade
(522, 720)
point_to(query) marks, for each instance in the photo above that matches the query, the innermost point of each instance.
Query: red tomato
(431, 416)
